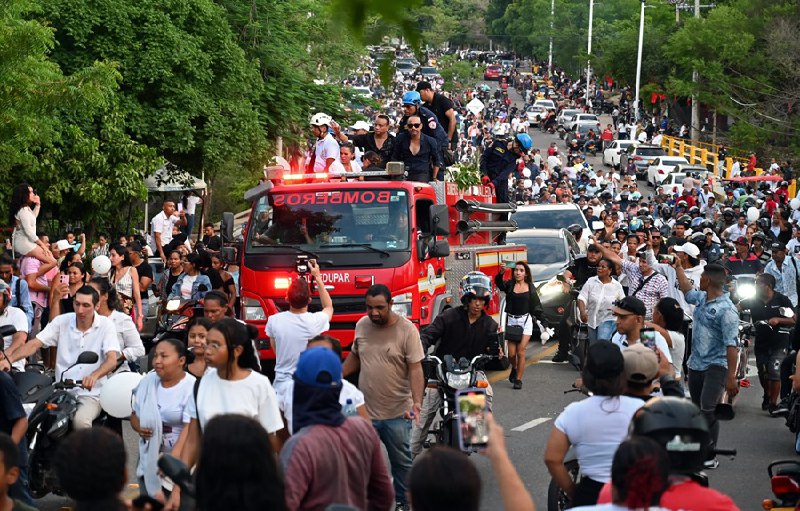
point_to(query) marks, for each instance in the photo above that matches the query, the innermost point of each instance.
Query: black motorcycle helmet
(680, 427)
(643, 212)
(706, 224)
(665, 212)
(686, 220)
(763, 223)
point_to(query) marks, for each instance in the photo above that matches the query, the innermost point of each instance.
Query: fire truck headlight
(253, 310)
(401, 305)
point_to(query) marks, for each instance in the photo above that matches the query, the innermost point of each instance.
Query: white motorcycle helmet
(321, 119)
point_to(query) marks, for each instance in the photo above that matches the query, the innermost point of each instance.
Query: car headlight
(458, 381)
(401, 304)
(253, 310)
(746, 291)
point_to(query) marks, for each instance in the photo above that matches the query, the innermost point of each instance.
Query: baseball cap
(604, 360)
(741, 240)
(319, 367)
(641, 363)
(630, 305)
(689, 249)
(360, 125)
(63, 245)
(777, 247)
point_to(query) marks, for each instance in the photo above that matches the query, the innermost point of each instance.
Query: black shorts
(768, 363)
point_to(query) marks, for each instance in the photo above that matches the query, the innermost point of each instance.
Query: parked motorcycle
(784, 476)
(449, 376)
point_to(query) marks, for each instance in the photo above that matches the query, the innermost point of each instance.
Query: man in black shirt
(211, 241)
(582, 269)
(419, 152)
(378, 141)
(442, 107)
(773, 339)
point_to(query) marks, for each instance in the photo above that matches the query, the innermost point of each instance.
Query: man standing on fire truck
(497, 164)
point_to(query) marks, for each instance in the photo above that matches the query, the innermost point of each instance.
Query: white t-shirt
(324, 149)
(621, 340)
(337, 169)
(596, 426)
(191, 204)
(173, 405)
(163, 224)
(349, 391)
(16, 318)
(186, 286)
(252, 397)
(290, 332)
(128, 336)
(677, 351)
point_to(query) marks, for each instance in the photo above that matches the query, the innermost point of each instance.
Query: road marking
(531, 424)
(502, 375)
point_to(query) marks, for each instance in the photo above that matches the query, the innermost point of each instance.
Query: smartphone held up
(472, 406)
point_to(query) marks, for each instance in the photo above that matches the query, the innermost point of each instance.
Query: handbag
(513, 333)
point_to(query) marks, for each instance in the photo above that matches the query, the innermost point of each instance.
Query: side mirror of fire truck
(226, 227)
(439, 220)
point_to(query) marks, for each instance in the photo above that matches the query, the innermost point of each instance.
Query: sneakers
(778, 410)
(765, 403)
(517, 384)
(711, 464)
(561, 358)
(512, 377)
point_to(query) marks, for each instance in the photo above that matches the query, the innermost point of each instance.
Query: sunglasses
(414, 125)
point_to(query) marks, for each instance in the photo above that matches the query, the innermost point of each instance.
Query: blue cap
(319, 367)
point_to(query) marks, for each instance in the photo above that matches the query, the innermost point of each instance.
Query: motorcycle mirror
(176, 470)
(7, 330)
(88, 357)
(173, 305)
(786, 312)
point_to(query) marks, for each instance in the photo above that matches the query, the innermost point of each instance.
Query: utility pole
(552, 24)
(695, 102)
(589, 50)
(639, 66)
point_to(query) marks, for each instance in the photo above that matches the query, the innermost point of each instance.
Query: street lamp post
(550, 53)
(639, 65)
(589, 51)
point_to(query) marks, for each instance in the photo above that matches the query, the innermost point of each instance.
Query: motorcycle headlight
(458, 381)
(746, 291)
(401, 304)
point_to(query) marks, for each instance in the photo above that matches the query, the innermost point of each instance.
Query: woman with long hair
(125, 280)
(196, 335)
(172, 272)
(192, 285)
(110, 306)
(22, 214)
(230, 475)
(231, 385)
(61, 296)
(668, 317)
(595, 426)
(523, 308)
(229, 285)
(160, 409)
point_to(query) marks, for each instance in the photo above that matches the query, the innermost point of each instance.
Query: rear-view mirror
(88, 357)
(440, 220)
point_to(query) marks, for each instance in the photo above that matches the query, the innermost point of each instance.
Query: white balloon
(117, 394)
(526, 172)
(101, 265)
(752, 214)
(527, 183)
(795, 203)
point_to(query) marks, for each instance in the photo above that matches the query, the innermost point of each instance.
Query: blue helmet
(525, 141)
(412, 97)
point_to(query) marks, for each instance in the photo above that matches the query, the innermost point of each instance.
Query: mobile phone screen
(648, 337)
(473, 431)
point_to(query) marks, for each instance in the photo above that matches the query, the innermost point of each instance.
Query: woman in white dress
(25, 206)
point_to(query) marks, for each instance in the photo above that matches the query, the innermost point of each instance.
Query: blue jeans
(396, 436)
(603, 332)
(20, 490)
(189, 227)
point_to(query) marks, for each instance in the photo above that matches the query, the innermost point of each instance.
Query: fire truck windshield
(331, 221)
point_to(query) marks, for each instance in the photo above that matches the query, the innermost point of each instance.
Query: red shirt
(770, 206)
(551, 151)
(751, 164)
(685, 496)
(607, 135)
(690, 202)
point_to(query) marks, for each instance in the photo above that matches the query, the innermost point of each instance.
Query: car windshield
(331, 221)
(549, 218)
(542, 251)
(650, 151)
(427, 70)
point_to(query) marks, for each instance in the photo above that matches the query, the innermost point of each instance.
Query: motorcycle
(449, 376)
(784, 476)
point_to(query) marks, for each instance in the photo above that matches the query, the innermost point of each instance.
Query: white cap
(360, 125)
(689, 249)
(63, 245)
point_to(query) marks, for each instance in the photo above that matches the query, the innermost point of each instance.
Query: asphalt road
(527, 417)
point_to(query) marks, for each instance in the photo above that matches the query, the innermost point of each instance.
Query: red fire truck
(419, 239)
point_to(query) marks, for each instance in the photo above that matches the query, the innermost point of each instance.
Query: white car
(662, 166)
(565, 115)
(535, 114)
(673, 183)
(583, 120)
(363, 91)
(612, 153)
(547, 104)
